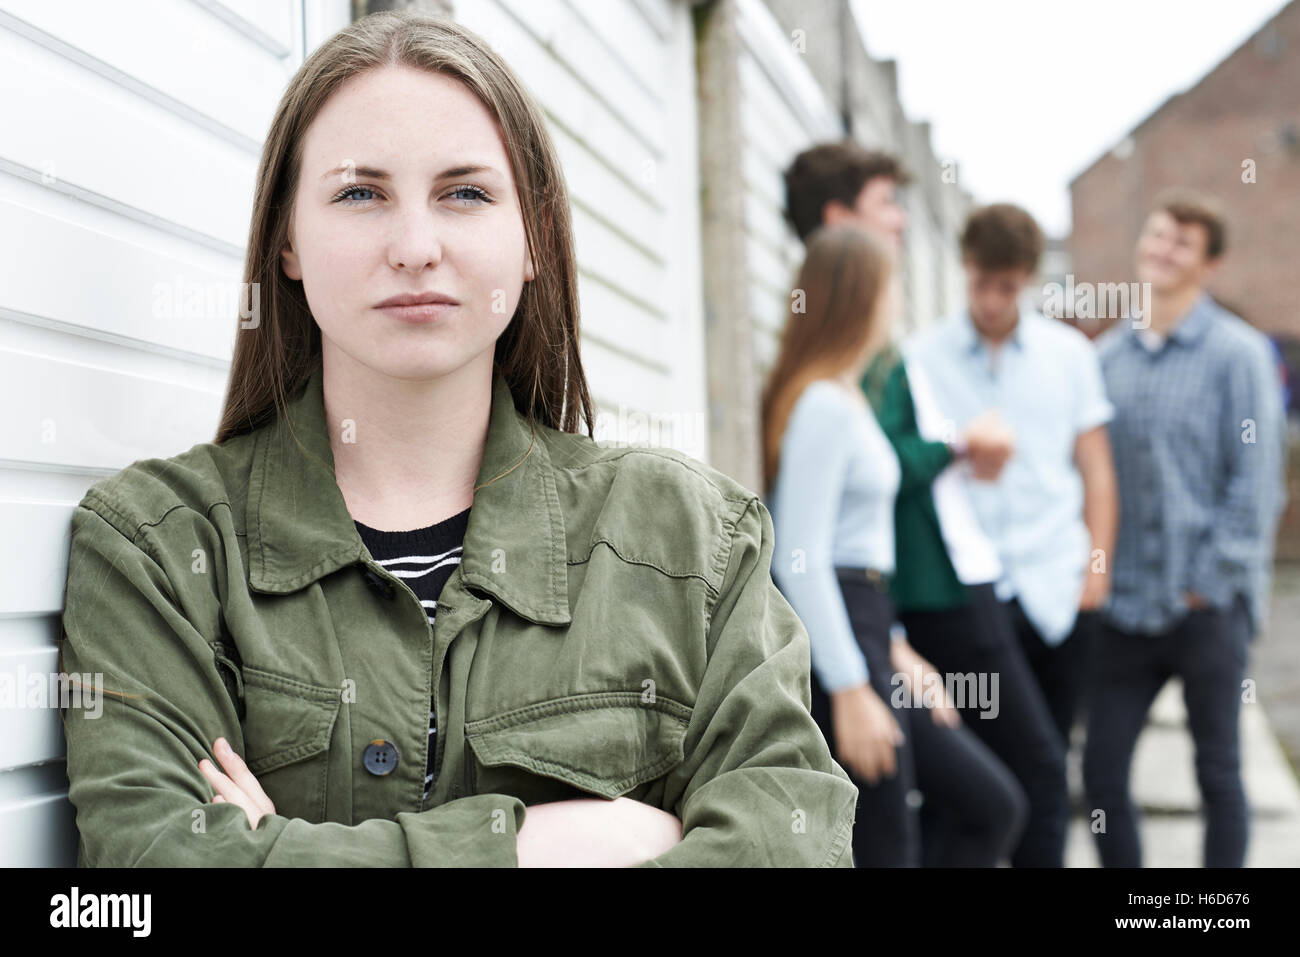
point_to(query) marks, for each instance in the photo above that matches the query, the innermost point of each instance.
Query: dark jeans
(1061, 670)
(1207, 649)
(977, 639)
(973, 810)
(984, 807)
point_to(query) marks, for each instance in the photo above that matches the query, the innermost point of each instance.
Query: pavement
(1164, 775)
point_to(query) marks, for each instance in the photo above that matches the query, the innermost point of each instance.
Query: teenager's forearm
(1101, 510)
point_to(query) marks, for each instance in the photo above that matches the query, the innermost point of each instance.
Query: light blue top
(1045, 380)
(1199, 438)
(832, 503)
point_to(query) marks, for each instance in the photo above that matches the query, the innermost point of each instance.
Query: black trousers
(977, 641)
(1060, 670)
(1208, 650)
(981, 806)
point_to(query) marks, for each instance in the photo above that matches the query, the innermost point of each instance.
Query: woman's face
(406, 188)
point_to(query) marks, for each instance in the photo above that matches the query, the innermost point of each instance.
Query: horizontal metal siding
(126, 177)
(597, 69)
(782, 112)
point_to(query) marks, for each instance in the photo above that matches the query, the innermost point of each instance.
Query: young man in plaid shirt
(1198, 438)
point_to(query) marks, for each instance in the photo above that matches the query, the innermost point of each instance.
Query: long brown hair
(836, 312)
(538, 351)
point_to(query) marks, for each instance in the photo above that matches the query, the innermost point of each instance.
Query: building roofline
(1133, 132)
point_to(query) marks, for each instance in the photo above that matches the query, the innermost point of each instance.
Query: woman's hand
(908, 662)
(866, 733)
(592, 832)
(238, 786)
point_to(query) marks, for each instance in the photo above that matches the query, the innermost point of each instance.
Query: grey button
(380, 757)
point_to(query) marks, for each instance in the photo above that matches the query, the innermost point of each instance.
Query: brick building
(1235, 134)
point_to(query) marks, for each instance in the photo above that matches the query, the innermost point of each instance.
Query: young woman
(832, 476)
(400, 612)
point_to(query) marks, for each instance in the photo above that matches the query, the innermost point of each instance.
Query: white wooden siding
(783, 111)
(615, 79)
(132, 133)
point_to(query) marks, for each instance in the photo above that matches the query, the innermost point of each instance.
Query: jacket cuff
(481, 830)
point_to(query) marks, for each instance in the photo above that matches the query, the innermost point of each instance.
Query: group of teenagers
(1032, 526)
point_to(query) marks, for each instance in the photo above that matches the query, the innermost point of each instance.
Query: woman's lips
(424, 312)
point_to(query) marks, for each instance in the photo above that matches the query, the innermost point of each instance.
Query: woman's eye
(350, 195)
(351, 192)
(473, 191)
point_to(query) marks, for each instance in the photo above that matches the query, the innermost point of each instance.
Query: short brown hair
(833, 171)
(1001, 236)
(1191, 206)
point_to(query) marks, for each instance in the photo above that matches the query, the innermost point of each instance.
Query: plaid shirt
(1198, 439)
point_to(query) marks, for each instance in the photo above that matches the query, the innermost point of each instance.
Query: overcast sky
(1025, 94)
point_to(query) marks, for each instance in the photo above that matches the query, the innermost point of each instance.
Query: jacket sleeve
(919, 460)
(132, 759)
(758, 786)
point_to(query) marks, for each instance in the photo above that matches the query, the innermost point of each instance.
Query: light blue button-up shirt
(832, 504)
(1046, 382)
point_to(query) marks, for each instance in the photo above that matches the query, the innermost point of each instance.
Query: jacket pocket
(287, 729)
(607, 744)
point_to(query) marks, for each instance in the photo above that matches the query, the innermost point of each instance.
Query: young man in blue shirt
(1053, 510)
(1199, 438)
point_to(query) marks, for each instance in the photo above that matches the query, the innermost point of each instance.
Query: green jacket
(612, 629)
(924, 579)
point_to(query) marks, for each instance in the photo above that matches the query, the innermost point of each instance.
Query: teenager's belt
(874, 575)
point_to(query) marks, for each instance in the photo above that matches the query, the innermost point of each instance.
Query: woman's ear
(289, 260)
(529, 273)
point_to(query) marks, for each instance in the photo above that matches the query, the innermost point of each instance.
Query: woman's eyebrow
(372, 172)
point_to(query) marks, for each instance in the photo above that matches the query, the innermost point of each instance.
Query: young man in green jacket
(945, 567)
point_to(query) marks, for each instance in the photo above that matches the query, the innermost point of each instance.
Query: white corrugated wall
(783, 111)
(616, 79)
(131, 136)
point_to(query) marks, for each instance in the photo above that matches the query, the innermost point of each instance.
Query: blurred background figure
(1051, 513)
(1198, 436)
(841, 183)
(831, 477)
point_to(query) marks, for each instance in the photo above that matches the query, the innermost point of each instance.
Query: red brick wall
(1200, 139)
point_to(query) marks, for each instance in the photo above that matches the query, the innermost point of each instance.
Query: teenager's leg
(1060, 670)
(1074, 662)
(1211, 659)
(871, 614)
(886, 828)
(974, 810)
(1064, 674)
(977, 641)
(877, 811)
(1127, 671)
(901, 847)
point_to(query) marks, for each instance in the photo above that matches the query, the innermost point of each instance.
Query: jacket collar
(299, 527)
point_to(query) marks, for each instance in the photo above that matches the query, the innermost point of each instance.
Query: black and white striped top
(424, 559)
